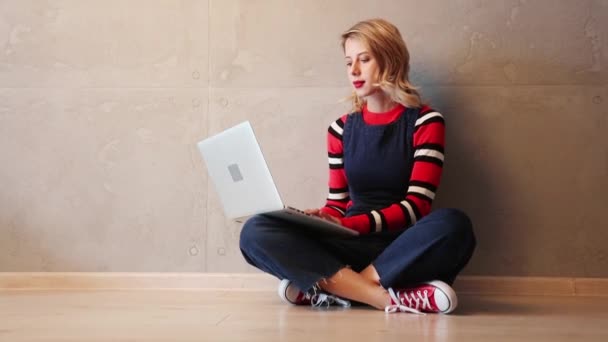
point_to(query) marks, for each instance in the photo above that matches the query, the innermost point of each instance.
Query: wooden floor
(166, 315)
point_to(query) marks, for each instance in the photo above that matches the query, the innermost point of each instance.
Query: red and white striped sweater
(428, 150)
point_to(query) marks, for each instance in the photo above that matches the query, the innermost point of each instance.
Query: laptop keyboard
(301, 212)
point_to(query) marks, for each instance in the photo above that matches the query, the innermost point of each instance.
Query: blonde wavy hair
(386, 45)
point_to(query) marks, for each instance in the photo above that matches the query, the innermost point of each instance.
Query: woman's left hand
(330, 218)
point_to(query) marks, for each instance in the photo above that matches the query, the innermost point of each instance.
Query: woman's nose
(354, 69)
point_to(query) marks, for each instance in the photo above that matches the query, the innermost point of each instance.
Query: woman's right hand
(323, 215)
(314, 212)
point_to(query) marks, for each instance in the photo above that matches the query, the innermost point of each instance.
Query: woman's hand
(330, 218)
(323, 215)
(314, 212)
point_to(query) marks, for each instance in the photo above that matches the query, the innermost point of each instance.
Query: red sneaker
(434, 297)
(289, 293)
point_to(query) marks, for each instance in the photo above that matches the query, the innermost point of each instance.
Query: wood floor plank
(205, 315)
(551, 286)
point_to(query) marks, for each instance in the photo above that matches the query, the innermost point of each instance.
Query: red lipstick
(358, 84)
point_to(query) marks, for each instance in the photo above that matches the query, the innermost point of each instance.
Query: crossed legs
(435, 248)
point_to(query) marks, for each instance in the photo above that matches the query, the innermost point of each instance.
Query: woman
(385, 163)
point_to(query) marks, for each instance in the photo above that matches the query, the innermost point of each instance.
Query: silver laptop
(245, 186)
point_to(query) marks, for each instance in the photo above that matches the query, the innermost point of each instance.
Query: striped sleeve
(429, 144)
(338, 197)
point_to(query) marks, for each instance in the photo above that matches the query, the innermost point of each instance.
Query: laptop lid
(239, 172)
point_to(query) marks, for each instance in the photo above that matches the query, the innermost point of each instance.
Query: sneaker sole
(448, 292)
(283, 290)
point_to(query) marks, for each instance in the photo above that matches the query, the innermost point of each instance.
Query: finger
(327, 217)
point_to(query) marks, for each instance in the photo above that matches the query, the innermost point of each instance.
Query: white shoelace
(416, 301)
(325, 300)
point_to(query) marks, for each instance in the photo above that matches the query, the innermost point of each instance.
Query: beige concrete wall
(101, 103)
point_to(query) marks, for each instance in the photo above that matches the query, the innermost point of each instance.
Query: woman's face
(361, 67)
